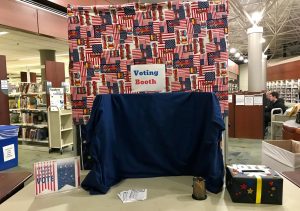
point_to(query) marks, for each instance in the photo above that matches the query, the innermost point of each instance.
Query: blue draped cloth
(151, 135)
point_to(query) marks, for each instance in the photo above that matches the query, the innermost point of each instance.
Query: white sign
(56, 98)
(240, 99)
(4, 84)
(9, 152)
(258, 100)
(148, 78)
(229, 98)
(249, 100)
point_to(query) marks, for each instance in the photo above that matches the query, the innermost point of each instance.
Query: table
(293, 176)
(151, 135)
(291, 130)
(164, 193)
(12, 182)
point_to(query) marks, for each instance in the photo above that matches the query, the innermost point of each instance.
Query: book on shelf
(37, 134)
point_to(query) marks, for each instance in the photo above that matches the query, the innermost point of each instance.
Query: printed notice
(240, 99)
(56, 98)
(148, 78)
(229, 98)
(258, 100)
(249, 100)
(9, 152)
(4, 84)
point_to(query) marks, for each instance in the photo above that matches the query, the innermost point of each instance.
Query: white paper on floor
(133, 195)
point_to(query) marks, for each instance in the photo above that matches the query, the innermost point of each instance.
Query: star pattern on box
(189, 37)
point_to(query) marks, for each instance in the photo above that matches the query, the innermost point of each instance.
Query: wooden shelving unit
(287, 89)
(60, 129)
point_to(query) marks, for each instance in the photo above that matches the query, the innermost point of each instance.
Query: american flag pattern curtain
(188, 37)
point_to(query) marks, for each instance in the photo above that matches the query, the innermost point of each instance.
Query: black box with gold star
(253, 184)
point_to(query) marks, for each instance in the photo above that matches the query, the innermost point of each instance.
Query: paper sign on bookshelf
(240, 99)
(56, 99)
(56, 175)
(249, 100)
(258, 100)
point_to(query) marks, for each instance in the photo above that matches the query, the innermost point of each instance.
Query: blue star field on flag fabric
(170, 44)
(210, 76)
(97, 48)
(66, 174)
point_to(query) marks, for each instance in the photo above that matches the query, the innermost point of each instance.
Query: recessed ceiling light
(237, 55)
(245, 60)
(241, 58)
(3, 33)
(232, 50)
(256, 17)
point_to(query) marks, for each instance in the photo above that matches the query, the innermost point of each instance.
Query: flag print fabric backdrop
(188, 37)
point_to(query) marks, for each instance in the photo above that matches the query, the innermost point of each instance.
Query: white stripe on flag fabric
(156, 29)
(169, 14)
(175, 86)
(96, 20)
(210, 47)
(89, 101)
(206, 68)
(182, 25)
(103, 90)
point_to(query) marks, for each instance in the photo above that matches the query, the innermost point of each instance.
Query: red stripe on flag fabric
(169, 15)
(190, 29)
(90, 101)
(106, 55)
(167, 36)
(196, 60)
(35, 177)
(139, 16)
(156, 29)
(194, 5)
(103, 90)
(182, 25)
(206, 68)
(175, 86)
(96, 20)
(210, 47)
(83, 31)
(109, 30)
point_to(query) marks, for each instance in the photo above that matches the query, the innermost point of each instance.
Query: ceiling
(281, 24)
(22, 50)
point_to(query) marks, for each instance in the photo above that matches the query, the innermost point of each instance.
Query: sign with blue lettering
(148, 78)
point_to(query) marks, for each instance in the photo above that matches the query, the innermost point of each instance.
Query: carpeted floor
(244, 151)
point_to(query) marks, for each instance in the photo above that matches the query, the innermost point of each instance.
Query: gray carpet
(244, 151)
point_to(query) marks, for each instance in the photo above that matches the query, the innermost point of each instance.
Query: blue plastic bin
(8, 146)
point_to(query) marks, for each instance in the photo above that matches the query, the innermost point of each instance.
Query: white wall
(243, 77)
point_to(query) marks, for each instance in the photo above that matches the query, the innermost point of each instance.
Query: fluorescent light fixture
(237, 55)
(3, 33)
(263, 40)
(29, 58)
(241, 58)
(62, 54)
(256, 17)
(44, 7)
(245, 60)
(232, 50)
